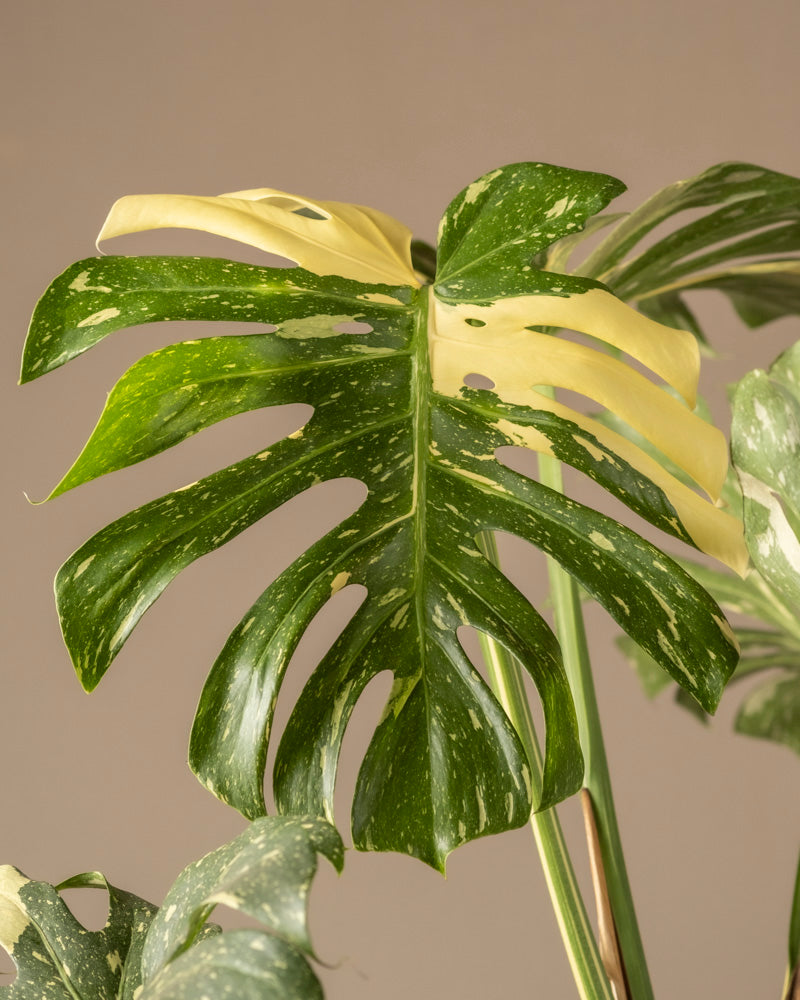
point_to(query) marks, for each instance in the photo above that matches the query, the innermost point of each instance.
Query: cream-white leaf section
(517, 359)
(349, 240)
(13, 918)
(775, 542)
(671, 354)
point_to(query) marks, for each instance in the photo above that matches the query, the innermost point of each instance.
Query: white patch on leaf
(83, 566)
(380, 298)
(311, 327)
(81, 284)
(476, 189)
(596, 538)
(13, 919)
(99, 317)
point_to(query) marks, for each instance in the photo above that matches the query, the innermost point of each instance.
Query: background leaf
(56, 957)
(745, 244)
(765, 443)
(146, 953)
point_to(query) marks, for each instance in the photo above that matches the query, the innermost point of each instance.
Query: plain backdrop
(397, 106)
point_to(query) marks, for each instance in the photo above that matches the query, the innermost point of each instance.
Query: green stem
(572, 637)
(505, 676)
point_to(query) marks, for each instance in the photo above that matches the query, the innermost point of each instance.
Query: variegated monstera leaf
(171, 953)
(391, 408)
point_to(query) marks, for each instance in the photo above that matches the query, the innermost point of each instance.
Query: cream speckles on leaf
(390, 409)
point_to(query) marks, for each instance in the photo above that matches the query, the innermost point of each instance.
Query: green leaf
(391, 409)
(171, 953)
(100, 295)
(266, 872)
(772, 711)
(247, 965)
(750, 224)
(494, 228)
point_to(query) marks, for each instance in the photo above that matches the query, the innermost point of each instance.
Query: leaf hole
(474, 322)
(477, 381)
(8, 971)
(296, 207)
(91, 909)
(353, 326)
(309, 213)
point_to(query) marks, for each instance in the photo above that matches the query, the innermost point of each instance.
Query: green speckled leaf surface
(390, 408)
(172, 953)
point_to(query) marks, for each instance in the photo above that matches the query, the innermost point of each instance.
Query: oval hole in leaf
(477, 381)
(309, 213)
(295, 206)
(475, 322)
(353, 326)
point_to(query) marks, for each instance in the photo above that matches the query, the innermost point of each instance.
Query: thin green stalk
(505, 676)
(572, 638)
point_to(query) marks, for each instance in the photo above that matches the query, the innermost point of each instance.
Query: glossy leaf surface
(391, 409)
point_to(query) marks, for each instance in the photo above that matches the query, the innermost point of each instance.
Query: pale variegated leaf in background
(765, 441)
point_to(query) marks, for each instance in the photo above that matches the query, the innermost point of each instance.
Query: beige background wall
(396, 106)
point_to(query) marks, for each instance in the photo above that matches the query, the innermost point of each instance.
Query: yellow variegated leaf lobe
(348, 240)
(13, 919)
(495, 341)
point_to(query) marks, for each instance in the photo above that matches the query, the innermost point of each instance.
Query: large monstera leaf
(170, 953)
(391, 408)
